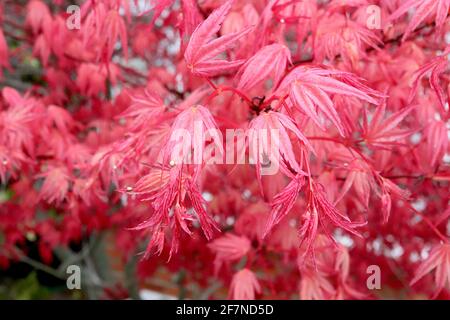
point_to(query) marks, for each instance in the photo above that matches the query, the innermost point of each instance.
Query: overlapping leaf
(423, 10)
(309, 90)
(383, 131)
(201, 50)
(436, 67)
(269, 59)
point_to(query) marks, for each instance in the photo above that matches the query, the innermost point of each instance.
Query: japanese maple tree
(276, 149)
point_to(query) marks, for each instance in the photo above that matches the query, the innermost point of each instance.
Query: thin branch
(42, 267)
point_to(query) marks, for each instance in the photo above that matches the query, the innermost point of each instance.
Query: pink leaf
(269, 59)
(201, 50)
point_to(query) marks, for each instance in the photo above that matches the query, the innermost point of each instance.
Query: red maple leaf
(423, 10)
(201, 51)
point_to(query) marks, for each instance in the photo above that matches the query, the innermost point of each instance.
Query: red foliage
(88, 116)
